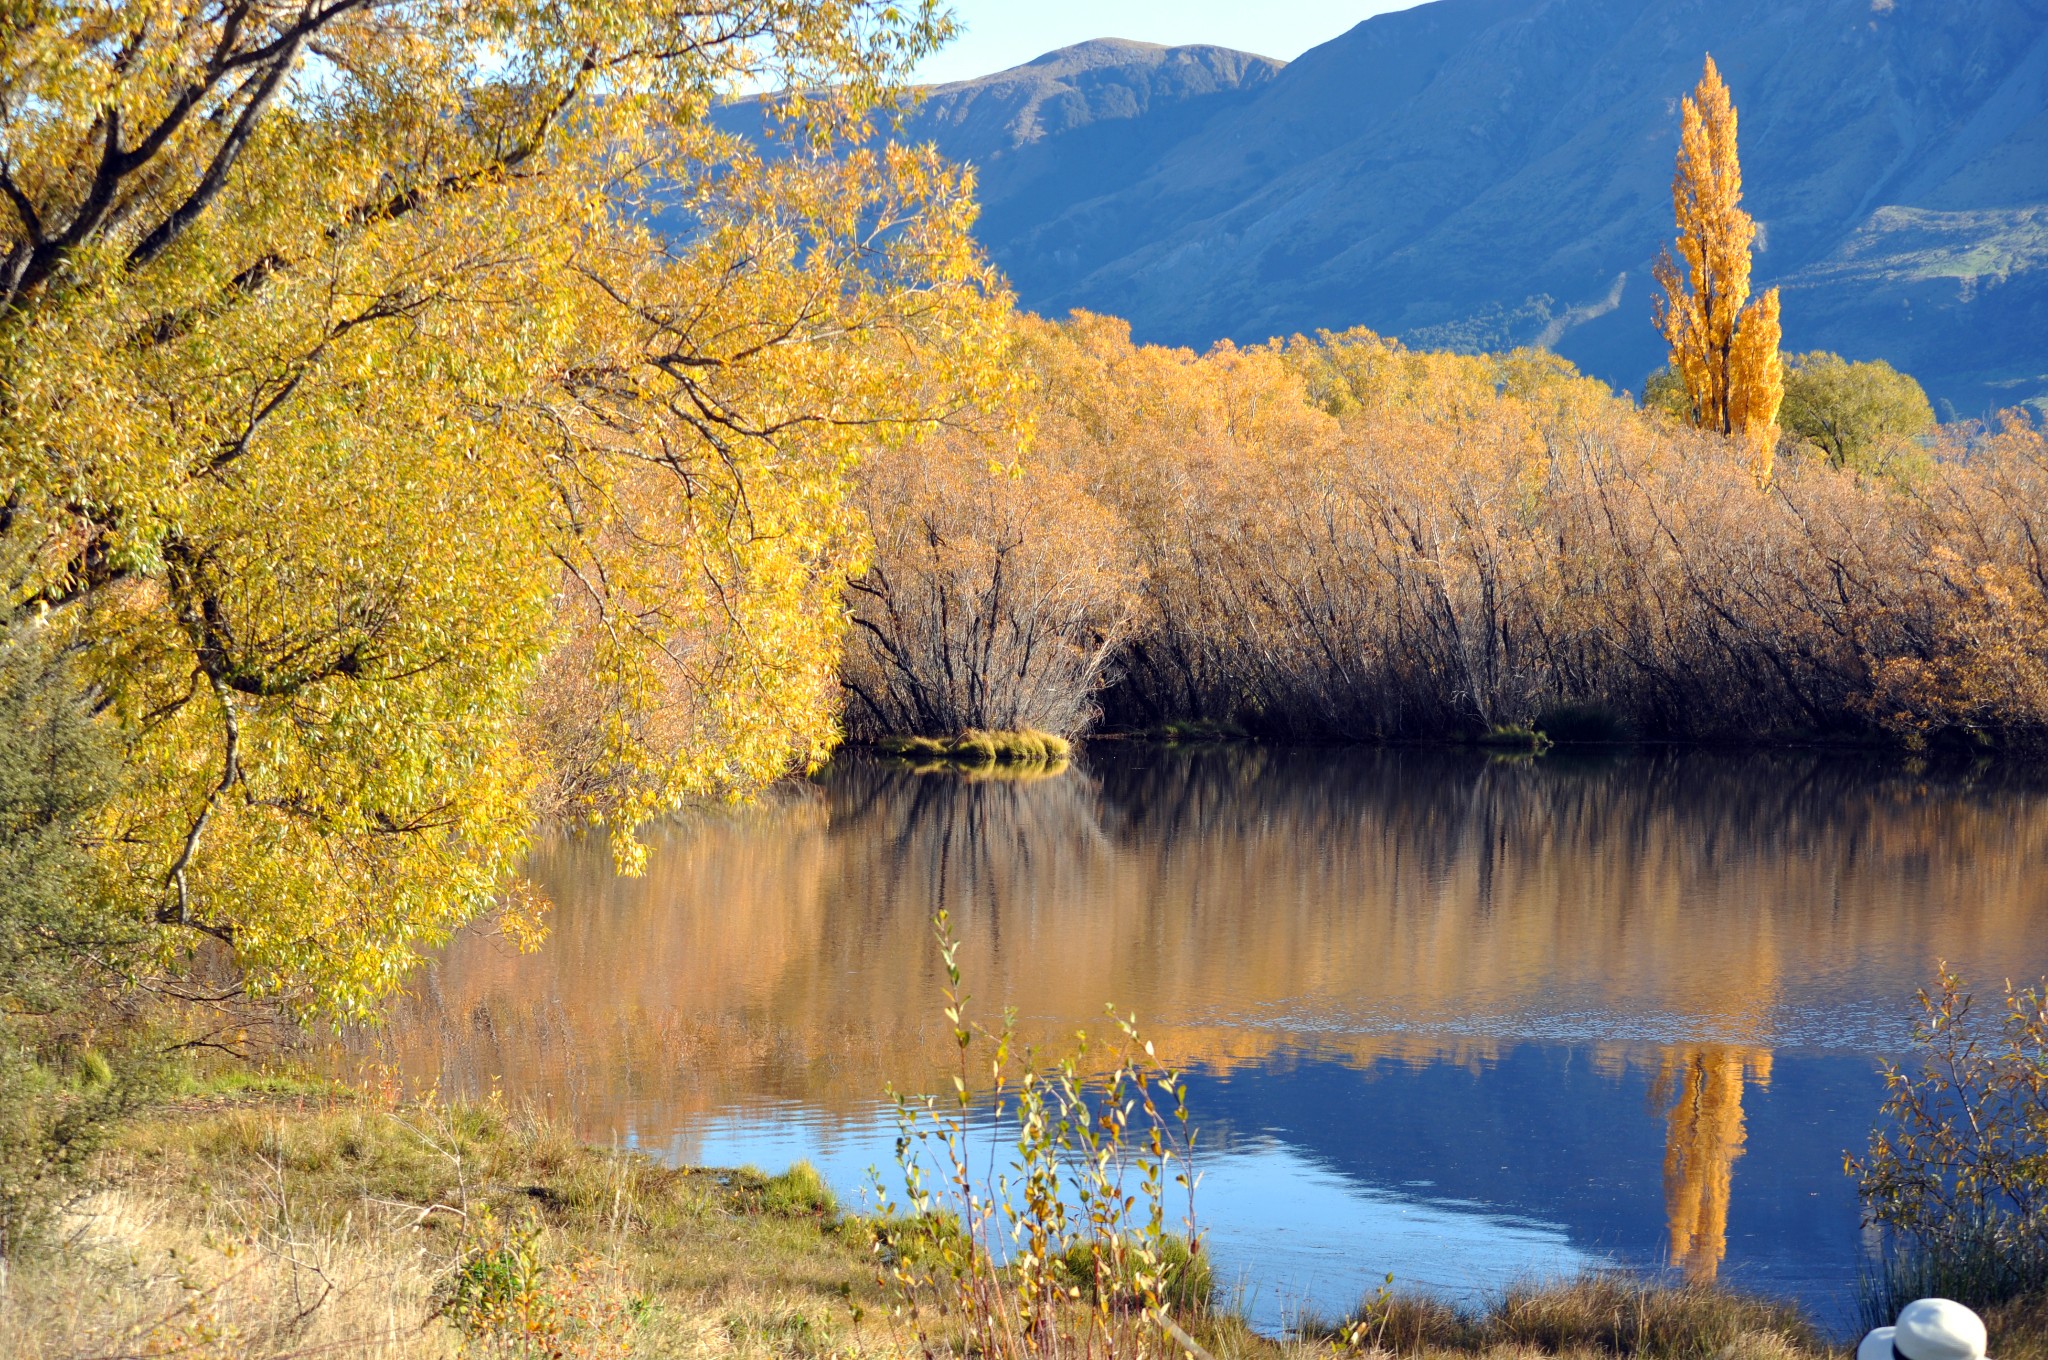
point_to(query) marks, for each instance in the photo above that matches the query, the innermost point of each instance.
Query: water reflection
(1572, 978)
(1704, 1136)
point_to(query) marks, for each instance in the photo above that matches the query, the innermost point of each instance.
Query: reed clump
(1517, 737)
(974, 748)
(799, 1192)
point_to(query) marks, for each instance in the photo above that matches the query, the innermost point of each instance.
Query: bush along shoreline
(1339, 538)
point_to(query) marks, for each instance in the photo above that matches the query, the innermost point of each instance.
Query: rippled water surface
(1460, 1020)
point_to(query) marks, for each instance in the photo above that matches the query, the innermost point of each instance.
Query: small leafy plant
(1066, 1250)
(508, 1301)
(1957, 1176)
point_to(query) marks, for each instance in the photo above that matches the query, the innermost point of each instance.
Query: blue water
(1455, 1021)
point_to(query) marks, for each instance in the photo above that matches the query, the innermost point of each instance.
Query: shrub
(1343, 539)
(1068, 1250)
(508, 1299)
(57, 770)
(61, 950)
(51, 1122)
(1957, 1174)
(1106, 1274)
(999, 591)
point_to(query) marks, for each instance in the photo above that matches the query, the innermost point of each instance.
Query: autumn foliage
(416, 415)
(1339, 538)
(1724, 347)
(1956, 1177)
(998, 594)
(420, 419)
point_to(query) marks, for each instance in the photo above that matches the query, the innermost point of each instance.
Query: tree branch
(215, 179)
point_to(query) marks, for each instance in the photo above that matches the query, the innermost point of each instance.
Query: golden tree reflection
(1704, 1137)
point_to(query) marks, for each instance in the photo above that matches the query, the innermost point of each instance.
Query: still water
(1461, 1020)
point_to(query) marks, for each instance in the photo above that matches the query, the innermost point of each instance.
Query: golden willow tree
(409, 406)
(1724, 348)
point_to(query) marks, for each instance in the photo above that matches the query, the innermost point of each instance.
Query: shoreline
(216, 1210)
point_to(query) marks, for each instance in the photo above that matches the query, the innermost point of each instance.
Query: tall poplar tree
(1724, 348)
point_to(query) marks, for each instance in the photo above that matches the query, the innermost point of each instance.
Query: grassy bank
(280, 1221)
(324, 1223)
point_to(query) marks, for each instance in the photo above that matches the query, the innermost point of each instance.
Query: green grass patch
(1102, 1275)
(1516, 738)
(975, 749)
(239, 1082)
(799, 1191)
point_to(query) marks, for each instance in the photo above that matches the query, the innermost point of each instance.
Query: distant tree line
(1339, 538)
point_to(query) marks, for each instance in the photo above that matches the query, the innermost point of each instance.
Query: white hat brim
(1878, 1345)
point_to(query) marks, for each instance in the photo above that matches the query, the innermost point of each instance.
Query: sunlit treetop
(1724, 348)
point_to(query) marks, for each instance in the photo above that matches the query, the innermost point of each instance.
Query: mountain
(1065, 131)
(1483, 173)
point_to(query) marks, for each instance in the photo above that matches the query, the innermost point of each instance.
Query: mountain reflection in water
(1538, 1014)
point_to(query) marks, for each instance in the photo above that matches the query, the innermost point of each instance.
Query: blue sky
(1005, 33)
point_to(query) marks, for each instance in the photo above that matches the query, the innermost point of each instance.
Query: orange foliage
(1725, 351)
(997, 593)
(1704, 1135)
(1344, 538)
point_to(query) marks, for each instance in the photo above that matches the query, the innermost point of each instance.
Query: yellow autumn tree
(1724, 347)
(409, 405)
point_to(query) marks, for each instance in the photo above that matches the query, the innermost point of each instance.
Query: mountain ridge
(1482, 173)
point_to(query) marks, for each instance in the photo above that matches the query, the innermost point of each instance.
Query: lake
(1464, 1020)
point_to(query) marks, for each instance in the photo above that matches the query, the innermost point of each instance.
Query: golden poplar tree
(1724, 348)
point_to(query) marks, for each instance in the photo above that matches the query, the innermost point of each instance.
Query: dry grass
(266, 1228)
(143, 1274)
(2019, 1330)
(1597, 1316)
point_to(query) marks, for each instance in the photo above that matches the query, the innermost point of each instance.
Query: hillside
(1480, 173)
